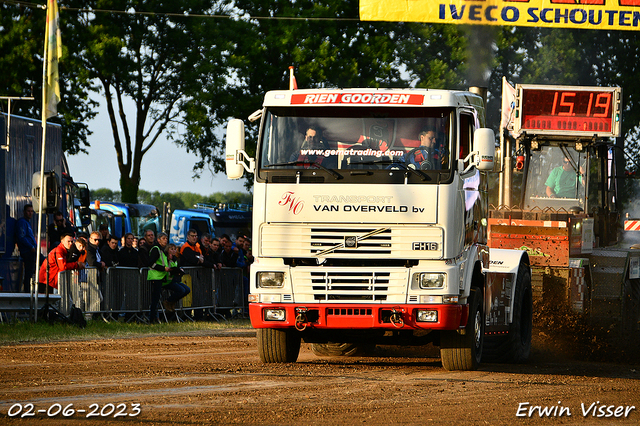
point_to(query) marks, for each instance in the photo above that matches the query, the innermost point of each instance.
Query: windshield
(347, 138)
(140, 224)
(143, 217)
(556, 178)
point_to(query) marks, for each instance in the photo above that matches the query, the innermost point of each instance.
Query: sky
(165, 168)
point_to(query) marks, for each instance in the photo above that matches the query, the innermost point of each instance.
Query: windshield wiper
(416, 172)
(333, 173)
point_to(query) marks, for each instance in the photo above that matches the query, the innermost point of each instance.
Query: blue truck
(125, 217)
(230, 219)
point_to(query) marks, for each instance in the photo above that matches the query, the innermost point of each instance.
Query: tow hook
(396, 317)
(301, 318)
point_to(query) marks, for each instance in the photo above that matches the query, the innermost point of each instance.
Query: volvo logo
(351, 242)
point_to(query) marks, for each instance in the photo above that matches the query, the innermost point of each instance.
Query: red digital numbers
(567, 111)
(567, 102)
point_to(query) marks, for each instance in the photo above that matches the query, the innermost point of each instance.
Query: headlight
(270, 279)
(430, 280)
(275, 315)
(426, 315)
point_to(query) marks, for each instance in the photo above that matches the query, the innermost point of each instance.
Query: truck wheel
(340, 349)
(276, 345)
(462, 350)
(515, 347)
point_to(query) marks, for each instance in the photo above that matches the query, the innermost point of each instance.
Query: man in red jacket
(57, 261)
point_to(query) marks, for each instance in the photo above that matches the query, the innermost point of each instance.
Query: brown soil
(216, 377)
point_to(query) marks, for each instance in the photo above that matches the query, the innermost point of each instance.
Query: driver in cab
(426, 156)
(562, 181)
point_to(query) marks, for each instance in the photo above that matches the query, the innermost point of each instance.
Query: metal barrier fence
(230, 290)
(80, 288)
(122, 291)
(119, 291)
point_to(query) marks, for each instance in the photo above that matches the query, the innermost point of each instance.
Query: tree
(105, 194)
(323, 40)
(178, 200)
(163, 55)
(435, 56)
(21, 47)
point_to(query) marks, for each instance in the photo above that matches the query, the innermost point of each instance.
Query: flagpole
(49, 66)
(34, 285)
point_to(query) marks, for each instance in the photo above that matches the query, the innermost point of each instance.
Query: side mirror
(85, 216)
(84, 195)
(50, 192)
(235, 143)
(484, 146)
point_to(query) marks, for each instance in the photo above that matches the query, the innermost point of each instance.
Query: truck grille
(322, 239)
(396, 242)
(335, 285)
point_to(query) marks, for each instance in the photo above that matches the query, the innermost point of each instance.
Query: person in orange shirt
(57, 261)
(190, 253)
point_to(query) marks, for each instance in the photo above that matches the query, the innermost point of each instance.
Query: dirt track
(217, 378)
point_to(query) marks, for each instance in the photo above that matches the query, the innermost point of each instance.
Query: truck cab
(370, 225)
(127, 217)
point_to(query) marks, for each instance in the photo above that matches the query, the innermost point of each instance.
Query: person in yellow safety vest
(164, 272)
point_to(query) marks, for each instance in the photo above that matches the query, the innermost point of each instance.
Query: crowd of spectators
(101, 250)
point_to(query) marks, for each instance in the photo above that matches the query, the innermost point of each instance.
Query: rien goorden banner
(587, 14)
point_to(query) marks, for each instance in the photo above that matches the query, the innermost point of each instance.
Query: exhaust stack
(480, 91)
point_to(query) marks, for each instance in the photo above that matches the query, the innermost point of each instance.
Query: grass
(29, 332)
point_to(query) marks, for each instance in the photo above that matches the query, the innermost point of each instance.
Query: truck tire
(463, 350)
(277, 345)
(515, 347)
(340, 349)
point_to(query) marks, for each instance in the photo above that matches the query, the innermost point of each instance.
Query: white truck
(366, 233)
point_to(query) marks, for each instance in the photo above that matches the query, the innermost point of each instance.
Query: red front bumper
(359, 316)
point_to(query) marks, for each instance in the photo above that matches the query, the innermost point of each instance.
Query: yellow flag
(53, 49)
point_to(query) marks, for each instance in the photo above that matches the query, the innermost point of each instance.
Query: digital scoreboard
(568, 110)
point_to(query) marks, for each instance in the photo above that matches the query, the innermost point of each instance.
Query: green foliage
(21, 46)
(155, 59)
(105, 194)
(434, 55)
(325, 53)
(178, 200)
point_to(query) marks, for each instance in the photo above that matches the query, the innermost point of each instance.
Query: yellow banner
(585, 14)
